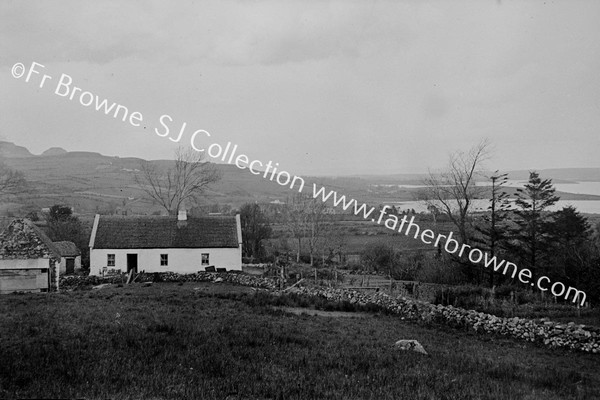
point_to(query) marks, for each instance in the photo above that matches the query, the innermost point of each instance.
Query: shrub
(465, 296)
(440, 270)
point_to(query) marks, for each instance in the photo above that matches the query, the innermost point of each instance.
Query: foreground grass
(214, 341)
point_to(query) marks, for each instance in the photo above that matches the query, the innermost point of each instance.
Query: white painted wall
(63, 264)
(183, 261)
(32, 263)
(25, 275)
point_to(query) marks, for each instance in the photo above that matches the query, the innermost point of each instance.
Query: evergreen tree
(570, 233)
(531, 237)
(493, 229)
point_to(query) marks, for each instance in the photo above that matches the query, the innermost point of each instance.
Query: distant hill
(11, 150)
(556, 174)
(92, 182)
(54, 151)
(560, 174)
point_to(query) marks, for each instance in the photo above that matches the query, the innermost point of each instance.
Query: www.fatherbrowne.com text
(229, 154)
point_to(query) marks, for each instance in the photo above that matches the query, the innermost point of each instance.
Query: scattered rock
(543, 331)
(102, 286)
(551, 334)
(410, 345)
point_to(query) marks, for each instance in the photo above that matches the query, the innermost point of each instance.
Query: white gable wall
(183, 261)
(63, 264)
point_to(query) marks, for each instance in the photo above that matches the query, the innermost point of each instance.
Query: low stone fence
(80, 282)
(548, 333)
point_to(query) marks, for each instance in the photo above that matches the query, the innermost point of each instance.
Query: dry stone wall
(79, 282)
(548, 333)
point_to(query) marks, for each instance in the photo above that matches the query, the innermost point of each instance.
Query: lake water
(584, 206)
(578, 187)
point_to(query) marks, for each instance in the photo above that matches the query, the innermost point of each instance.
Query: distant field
(359, 234)
(211, 341)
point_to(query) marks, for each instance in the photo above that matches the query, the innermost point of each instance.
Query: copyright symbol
(18, 70)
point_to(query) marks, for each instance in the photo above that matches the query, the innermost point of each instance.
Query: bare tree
(305, 218)
(11, 181)
(294, 218)
(187, 178)
(334, 242)
(453, 191)
(316, 223)
(256, 229)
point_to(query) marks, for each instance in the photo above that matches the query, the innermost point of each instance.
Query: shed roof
(159, 232)
(22, 239)
(67, 249)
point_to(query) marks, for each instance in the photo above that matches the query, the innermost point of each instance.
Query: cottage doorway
(132, 263)
(70, 266)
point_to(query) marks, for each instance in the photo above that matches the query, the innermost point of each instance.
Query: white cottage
(165, 243)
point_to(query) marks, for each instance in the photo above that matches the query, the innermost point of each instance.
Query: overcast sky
(322, 87)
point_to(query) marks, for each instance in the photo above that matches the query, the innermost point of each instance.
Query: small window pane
(205, 259)
(110, 260)
(164, 260)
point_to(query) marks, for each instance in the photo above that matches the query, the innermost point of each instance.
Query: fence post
(57, 268)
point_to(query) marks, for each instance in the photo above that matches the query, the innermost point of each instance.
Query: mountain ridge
(92, 182)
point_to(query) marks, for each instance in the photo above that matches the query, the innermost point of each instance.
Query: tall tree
(63, 225)
(570, 235)
(316, 222)
(453, 190)
(294, 219)
(305, 218)
(255, 229)
(532, 219)
(334, 242)
(179, 183)
(493, 226)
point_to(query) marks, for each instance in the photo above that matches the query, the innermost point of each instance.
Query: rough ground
(214, 341)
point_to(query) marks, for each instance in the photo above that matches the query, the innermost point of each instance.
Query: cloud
(406, 79)
(218, 32)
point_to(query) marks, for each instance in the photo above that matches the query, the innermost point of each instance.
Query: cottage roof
(158, 232)
(67, 249)
(22, 239)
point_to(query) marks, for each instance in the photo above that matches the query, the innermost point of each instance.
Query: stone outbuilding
(29, 260)
(70, 257)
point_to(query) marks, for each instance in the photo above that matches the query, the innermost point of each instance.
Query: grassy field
(222, 342)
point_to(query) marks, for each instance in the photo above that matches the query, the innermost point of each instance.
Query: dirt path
(320, 313)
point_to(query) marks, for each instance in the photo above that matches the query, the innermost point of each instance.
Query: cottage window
(110, 260)
(204, 258)
(164, 260)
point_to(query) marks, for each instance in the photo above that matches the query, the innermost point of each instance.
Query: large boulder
(410, 345)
